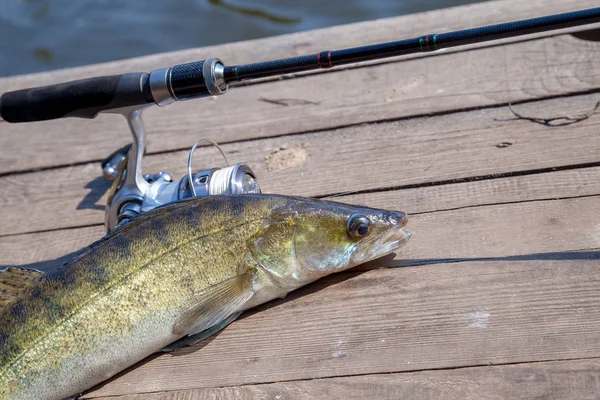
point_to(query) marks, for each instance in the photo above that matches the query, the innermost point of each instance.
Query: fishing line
(218, 178)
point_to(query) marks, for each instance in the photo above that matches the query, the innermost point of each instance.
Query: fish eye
(358, 226)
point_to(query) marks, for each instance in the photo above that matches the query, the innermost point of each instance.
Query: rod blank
(425, 43)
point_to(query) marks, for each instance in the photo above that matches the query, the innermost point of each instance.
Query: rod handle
(83, 98)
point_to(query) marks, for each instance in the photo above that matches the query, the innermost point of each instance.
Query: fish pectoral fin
(193, 339)
(214, 304)
(13, 280)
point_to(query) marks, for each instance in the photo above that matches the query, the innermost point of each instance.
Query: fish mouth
(391, 240)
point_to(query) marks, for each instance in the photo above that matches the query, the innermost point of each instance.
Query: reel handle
(83, 98)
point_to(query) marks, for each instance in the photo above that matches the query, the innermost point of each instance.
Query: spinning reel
(133, 193)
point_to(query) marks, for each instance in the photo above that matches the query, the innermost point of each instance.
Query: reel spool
(160, 189)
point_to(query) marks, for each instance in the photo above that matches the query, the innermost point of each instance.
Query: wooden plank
(518, 292)
(414, 151)
(544, 186)
(48, 250)
(519, 230)
(483, 77)
(545, 380)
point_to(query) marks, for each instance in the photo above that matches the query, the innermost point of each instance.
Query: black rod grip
(83, 98)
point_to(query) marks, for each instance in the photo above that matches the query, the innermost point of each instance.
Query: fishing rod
(85, 98)
(129, 94)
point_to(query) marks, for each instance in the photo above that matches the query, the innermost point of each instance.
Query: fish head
(339, 237)
(309, 239)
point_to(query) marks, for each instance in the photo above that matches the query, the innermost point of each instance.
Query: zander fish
(170, 278)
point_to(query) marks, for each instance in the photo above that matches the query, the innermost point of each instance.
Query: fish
(170, 278)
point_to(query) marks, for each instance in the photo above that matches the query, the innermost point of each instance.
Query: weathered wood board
(545, 380)
(410, 152)
(495, 296)
(469, 213)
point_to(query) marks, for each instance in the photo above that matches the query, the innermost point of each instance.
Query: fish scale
(176, 271)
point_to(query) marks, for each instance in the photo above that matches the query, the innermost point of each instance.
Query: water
(42, 35)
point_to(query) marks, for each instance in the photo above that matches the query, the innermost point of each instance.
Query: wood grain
(49, 250)
(483, 77)
(413, 151)
(545, 380)
(517, 268)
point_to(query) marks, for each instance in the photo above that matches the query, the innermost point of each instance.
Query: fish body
(176, 271)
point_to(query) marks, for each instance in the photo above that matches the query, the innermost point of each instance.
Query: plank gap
(477, 178)
(66, 228)
(504, 202)
(318, 130)
(181, 394)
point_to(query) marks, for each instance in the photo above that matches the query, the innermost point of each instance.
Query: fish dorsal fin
(13, 281)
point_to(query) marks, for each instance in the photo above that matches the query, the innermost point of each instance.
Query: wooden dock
(497, 295)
